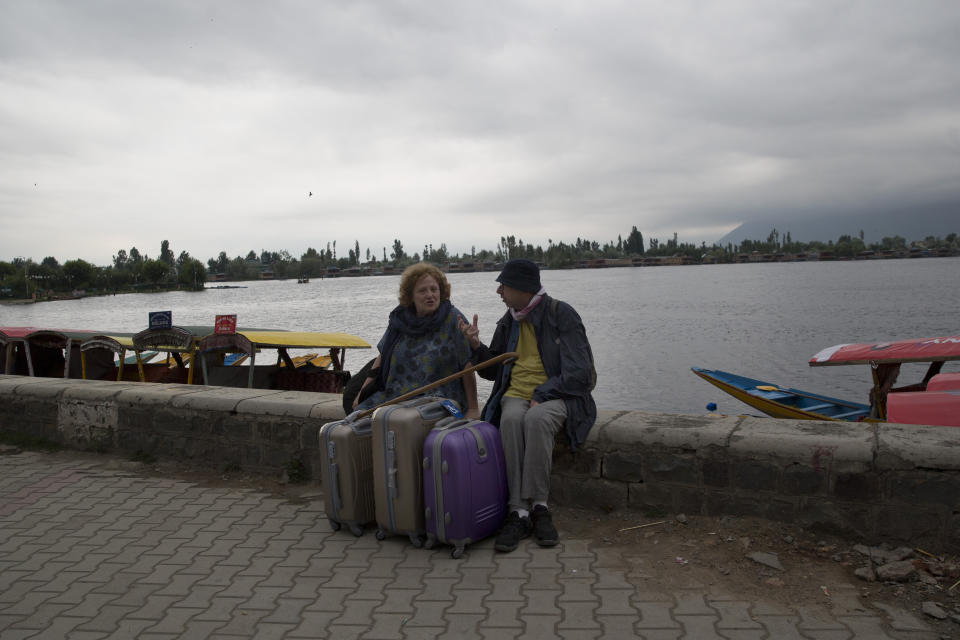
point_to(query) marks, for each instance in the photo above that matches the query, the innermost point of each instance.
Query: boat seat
(817, 407)
(770, 395)
(849, 414)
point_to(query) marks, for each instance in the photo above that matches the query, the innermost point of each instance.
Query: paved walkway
(89, 553)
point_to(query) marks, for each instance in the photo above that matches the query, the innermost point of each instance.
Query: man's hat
(521, 274)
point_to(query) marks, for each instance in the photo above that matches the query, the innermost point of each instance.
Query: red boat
(934, 400)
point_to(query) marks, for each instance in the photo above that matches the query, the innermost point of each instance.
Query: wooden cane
(510, 355)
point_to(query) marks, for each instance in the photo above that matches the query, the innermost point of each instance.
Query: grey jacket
(567, 360)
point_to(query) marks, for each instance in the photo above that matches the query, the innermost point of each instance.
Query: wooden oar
(510, 355)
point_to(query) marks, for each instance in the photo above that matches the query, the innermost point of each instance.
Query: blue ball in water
(711, 406)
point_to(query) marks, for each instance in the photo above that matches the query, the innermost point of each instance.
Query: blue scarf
(404, 321)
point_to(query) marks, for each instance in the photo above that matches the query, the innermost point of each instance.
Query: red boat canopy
(922, 350)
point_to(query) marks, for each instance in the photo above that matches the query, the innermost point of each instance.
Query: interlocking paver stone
(540, 602)
(578, 615)
(655, 615)
(90, 552)
(577, 590)
(502, 614)
(386, 626)
(699, 627)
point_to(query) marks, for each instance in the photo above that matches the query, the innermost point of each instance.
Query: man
(547, 387)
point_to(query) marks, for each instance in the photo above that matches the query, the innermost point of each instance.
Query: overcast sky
(208, 123)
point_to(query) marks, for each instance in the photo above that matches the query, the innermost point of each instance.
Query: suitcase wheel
(416, 540)
(356, 530)
(381, 534)
(456, 553)
(334, 524)
(430, 543)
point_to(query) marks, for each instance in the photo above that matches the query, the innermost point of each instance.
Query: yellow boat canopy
(304, 340)
(251, 341)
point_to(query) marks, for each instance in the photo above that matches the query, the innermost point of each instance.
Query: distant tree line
(135, 271)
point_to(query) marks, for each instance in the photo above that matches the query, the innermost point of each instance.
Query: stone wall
(869, 481)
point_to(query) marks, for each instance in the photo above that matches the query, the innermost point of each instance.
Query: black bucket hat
(521, 274)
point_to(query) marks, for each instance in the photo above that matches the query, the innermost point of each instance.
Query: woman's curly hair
(413, 273)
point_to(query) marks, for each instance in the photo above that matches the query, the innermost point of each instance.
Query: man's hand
(470, 331)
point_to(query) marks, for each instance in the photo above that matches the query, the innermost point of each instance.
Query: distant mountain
(911, 223)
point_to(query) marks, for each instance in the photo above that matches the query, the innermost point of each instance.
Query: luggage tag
(451, 408)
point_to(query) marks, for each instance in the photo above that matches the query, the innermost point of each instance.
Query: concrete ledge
(875, 482)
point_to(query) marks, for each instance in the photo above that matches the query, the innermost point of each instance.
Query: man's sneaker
(543, 528)
(514, 530)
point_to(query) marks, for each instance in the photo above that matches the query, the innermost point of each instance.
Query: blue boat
(785, 403)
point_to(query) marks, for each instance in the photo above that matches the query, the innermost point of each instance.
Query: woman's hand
(470, 331)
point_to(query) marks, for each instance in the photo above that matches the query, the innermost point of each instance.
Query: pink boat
(935, 400)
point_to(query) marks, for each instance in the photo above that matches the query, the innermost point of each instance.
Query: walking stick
(510, 355)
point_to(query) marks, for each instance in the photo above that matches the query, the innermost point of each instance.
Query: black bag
(352, 388)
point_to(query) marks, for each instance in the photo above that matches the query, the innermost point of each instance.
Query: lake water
(647, 326)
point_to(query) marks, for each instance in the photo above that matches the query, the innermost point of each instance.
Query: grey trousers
(527, 434)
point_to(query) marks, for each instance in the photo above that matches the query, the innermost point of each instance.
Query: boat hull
(940, 408)
(778, 402)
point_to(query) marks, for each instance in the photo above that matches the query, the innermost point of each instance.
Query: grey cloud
(542, 120)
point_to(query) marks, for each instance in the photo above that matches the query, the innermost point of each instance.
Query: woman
(422, 344)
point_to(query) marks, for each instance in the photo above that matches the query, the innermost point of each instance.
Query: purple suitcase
(464, 482)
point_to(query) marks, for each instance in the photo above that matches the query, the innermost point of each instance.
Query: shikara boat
(224, 359)
(782, 402)
(36, 351)
(934, 400)
(108, 357)
(318, 373)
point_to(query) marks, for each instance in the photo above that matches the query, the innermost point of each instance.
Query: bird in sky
(310, 194)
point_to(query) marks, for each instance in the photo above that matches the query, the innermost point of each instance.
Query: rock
(773, 582)
(866, 573)
(899, 571)
(767, 559)
(942, 569)
(788, 539)
(955, 617)
(901, 553)
(837, 557)
(926, 578)
(744, 543)
(883, 554)
(934, 610)
(682, 519)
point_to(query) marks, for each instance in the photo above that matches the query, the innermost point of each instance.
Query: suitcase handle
(450, 423)
(481, 445)
(392, 483)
